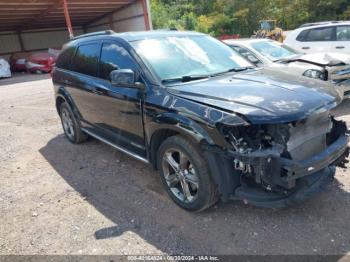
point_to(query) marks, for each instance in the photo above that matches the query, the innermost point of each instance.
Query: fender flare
(220, 167)
(62, 93)
(179, 124)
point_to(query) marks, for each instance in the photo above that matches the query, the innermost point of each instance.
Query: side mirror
(122, 77)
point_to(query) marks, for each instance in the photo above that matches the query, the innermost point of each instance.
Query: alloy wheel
(180, 175)
(68, 124)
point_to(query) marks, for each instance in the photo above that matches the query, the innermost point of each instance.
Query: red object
(67, 17)
(225, 37)
(41, 62)
(18, 61)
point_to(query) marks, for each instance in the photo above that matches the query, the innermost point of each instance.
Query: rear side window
(114, 57)
(86, 59)
(343, 33)
(65, 58)
(320, 34)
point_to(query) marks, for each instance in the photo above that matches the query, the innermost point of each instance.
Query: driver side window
(113, 57)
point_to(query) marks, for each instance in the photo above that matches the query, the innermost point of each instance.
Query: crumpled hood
(258, 97)
(325, 59)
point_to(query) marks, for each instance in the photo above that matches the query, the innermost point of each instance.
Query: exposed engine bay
(275, 156)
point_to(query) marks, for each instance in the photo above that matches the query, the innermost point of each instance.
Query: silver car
(326, 69)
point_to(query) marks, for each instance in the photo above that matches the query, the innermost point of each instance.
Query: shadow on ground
(130, 194)
(23, 78)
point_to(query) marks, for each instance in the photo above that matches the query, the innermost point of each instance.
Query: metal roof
(37, 14)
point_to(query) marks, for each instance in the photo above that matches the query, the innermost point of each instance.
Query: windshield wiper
(189, 78)
(234, 69)
(184, 79)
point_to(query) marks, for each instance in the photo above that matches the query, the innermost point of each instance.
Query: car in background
(5, 70)
(328, 70)
(42, 62)
(321, 37)
(189, 105)
(18, 61)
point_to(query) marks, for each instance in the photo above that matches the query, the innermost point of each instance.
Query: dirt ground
(59, 198)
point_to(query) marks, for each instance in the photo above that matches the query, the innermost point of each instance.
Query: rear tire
(185, 175)
(71, 126)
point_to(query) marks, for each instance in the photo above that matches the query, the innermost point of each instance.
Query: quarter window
(86, 59)
(65, 58)
(343, 33)
(114, 57)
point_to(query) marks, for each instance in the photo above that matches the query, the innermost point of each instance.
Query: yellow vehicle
(269, 29)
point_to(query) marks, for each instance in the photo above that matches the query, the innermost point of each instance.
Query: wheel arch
(170, 124)
(59, 101)
(63, 96)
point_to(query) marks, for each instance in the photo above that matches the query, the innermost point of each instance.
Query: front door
(119, 108)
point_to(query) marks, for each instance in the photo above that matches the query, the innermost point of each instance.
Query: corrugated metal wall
(33, 40)
(9, 43)
(40, 40)
(130, 18)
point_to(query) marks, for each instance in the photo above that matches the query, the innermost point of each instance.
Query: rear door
(316, 40)
(83, 83)
(342, 39)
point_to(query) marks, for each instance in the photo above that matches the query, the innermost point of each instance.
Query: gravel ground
(59, 198)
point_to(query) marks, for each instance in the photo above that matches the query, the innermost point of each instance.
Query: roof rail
(321, 23)
(106, 32)
(167, 29)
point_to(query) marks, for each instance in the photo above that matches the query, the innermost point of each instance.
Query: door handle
(339, 47)
(100, 90)
(67, 82)
(305, 47)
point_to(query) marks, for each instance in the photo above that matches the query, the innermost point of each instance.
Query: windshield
(197, 55)
(273, 51)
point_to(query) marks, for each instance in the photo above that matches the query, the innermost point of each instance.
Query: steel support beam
(67, 17)
(145, 14)
(20, 40)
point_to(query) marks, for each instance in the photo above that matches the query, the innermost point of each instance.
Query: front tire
(185, 175)
(71, 126)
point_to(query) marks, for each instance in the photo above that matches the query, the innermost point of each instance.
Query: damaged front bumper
(308, 177)
(296, 180)
(274, 169)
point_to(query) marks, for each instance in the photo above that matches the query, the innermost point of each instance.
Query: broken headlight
(316, 74)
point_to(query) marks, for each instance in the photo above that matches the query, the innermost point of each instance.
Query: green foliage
(242, 17)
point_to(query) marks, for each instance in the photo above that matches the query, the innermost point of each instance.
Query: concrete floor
(59, 198)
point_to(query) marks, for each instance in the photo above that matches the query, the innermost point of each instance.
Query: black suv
(198, 112)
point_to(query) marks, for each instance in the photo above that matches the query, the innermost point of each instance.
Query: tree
(242, 16)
